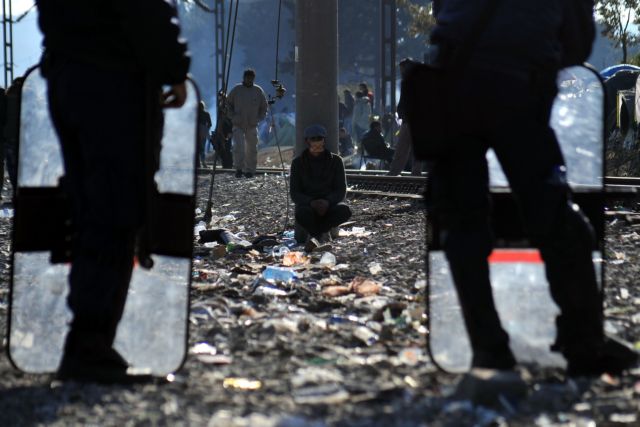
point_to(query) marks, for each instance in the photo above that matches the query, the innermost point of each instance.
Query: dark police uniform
(105, 63)
(508, 88)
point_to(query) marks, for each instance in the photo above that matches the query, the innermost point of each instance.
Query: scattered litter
(336, 291)
(326, 394)
(365, 287)
(294, 258)
(279, 274)
(355, 231)
(327, 260)
(241, 384)
(374, 268)
(203, 348)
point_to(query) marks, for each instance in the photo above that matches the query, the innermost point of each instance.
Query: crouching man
(318, 186)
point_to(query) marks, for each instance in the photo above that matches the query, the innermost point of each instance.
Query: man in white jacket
(247, 107)
(361, 115)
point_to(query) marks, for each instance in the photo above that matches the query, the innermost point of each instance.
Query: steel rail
(377, 183)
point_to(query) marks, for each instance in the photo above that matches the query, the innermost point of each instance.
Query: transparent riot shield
(152, 335)
(517, 272)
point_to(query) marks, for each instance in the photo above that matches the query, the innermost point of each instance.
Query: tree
(421, 16)
(616, 17)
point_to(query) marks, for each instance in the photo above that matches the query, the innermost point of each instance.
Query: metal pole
(219, 43)
(7, 38)
(388, 24)
(316, 62)
(10, 43)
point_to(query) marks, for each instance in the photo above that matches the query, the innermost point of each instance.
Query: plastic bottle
(279, 274)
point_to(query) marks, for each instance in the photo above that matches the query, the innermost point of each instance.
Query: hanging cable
(203, 6)
(278, 37)
(280, 91)
(226, 49)
(233, 37)
(284, 171)
(21, 17)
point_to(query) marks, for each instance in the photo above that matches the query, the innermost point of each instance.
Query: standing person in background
(11, 130)
(404, 148)
(364, 88)
(349, 103)
(247, 107)
(114, 56)
(204, 124)
(361, 115)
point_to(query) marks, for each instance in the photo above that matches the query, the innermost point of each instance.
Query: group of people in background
(382, 139)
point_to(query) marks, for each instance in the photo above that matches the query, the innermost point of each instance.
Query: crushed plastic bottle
(289, 234)
(328, 260)
(279, 251)
(272, 291)
(290, 243)
(279, 274)
(366, 335)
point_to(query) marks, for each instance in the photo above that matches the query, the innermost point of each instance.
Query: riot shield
(517, 271)
(152, 335)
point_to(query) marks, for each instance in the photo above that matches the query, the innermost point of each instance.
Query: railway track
(366, 183)
(377, 183)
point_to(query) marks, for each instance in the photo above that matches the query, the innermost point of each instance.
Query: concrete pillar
(316, 59)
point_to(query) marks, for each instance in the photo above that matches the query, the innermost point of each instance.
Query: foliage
(422, 19)
(617, 17)
(634, 60)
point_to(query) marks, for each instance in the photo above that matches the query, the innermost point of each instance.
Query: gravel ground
(305, 357)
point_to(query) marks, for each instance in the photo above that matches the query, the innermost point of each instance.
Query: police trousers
(510, 114)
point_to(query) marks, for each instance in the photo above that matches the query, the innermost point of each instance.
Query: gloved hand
(319, 206)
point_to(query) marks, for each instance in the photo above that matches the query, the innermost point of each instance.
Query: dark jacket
(141, 35)
(374, 143)
(317, 178)
(349, 102)
(542, 33)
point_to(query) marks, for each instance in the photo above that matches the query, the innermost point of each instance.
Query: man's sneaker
(238, 173)
(325, 238)
(314, 245)
(311, 244)
(248, 174)
(615, 357)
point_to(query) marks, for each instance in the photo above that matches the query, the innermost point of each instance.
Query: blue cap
(315, 130)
